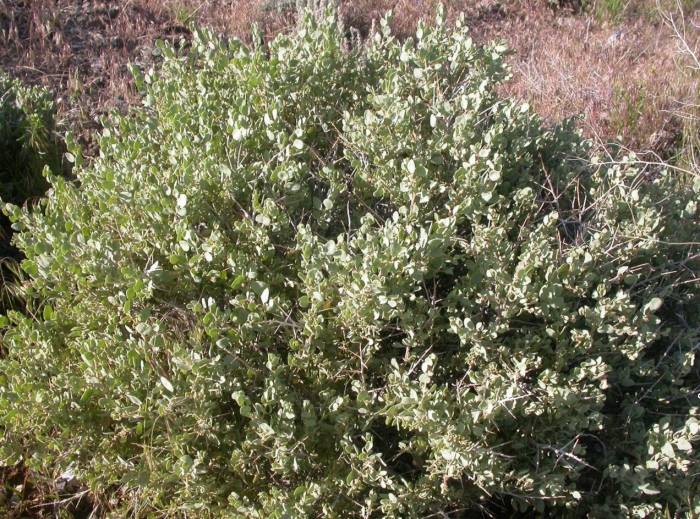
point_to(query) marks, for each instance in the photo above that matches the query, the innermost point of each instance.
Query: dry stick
(77, 496)
(681, 36)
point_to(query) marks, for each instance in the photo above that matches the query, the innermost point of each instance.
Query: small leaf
(411, 166)
(449, 455)
(237, 281)
(667, 450)
(48, 313)
(648, 490)
(167, 384)
(684, 445)
(654, 304)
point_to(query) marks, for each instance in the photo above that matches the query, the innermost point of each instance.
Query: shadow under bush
(28, 143)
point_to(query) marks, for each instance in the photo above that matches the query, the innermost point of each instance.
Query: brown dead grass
(622, 78)
(80, 50)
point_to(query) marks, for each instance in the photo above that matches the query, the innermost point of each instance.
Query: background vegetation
(28, 143)
(614, 63)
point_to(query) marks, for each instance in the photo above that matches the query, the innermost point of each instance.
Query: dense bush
(28, 143)
(314, 280)
(28, 140)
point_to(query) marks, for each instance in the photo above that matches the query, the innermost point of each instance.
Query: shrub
(28, 140)
(313, 280)
(28, 143)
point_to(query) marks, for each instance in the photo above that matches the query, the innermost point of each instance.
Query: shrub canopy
(28, 143)
(27, 140)
(315, 279)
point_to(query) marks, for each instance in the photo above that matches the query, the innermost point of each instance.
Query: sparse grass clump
(314, 280)
(687, 110)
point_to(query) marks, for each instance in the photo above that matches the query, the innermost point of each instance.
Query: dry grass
(686, 31)
(80, 50)
(621, 77)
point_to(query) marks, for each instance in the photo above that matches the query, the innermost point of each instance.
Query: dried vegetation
(613, 65)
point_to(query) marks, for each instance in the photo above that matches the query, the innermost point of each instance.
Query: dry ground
(619, 72)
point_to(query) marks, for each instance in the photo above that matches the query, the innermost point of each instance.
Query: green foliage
(608, 9)
(27, 140)
(308, 280)
(28, 143)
